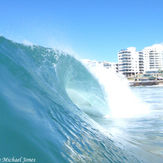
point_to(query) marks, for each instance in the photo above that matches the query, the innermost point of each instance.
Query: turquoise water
(38, 118)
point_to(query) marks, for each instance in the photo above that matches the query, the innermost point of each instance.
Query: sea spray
(121, 100)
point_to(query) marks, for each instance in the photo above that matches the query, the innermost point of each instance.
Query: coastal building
(128, 61)
(141, 62)
(153, 58)
(111, 65)
(108, 65)
(132, 63)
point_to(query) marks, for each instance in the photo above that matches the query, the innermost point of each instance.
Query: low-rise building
(108, 65)
(111, 65)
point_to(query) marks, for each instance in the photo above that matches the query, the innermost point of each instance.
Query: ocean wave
(49, 102)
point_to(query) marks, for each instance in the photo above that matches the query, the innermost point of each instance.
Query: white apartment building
(141, 62)
(153, 58)
(128, 61)
(150, 59)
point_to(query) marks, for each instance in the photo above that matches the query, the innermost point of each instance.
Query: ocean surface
(55, 109)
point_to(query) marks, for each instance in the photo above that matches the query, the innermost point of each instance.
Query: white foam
(27, 43)
(121, 100)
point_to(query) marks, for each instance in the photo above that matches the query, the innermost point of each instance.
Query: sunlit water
(135, 118)
(143, 136)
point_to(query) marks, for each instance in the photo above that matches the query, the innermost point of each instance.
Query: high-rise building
(153, 58)
(128, 61)
(132, 62)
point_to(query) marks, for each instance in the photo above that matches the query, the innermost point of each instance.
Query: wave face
(49, 103)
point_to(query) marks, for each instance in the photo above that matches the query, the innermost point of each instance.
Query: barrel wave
(49, 106)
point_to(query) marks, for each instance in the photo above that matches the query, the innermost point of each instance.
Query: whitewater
(57, 109)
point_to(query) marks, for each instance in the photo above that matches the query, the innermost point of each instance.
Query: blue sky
(94, 29)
